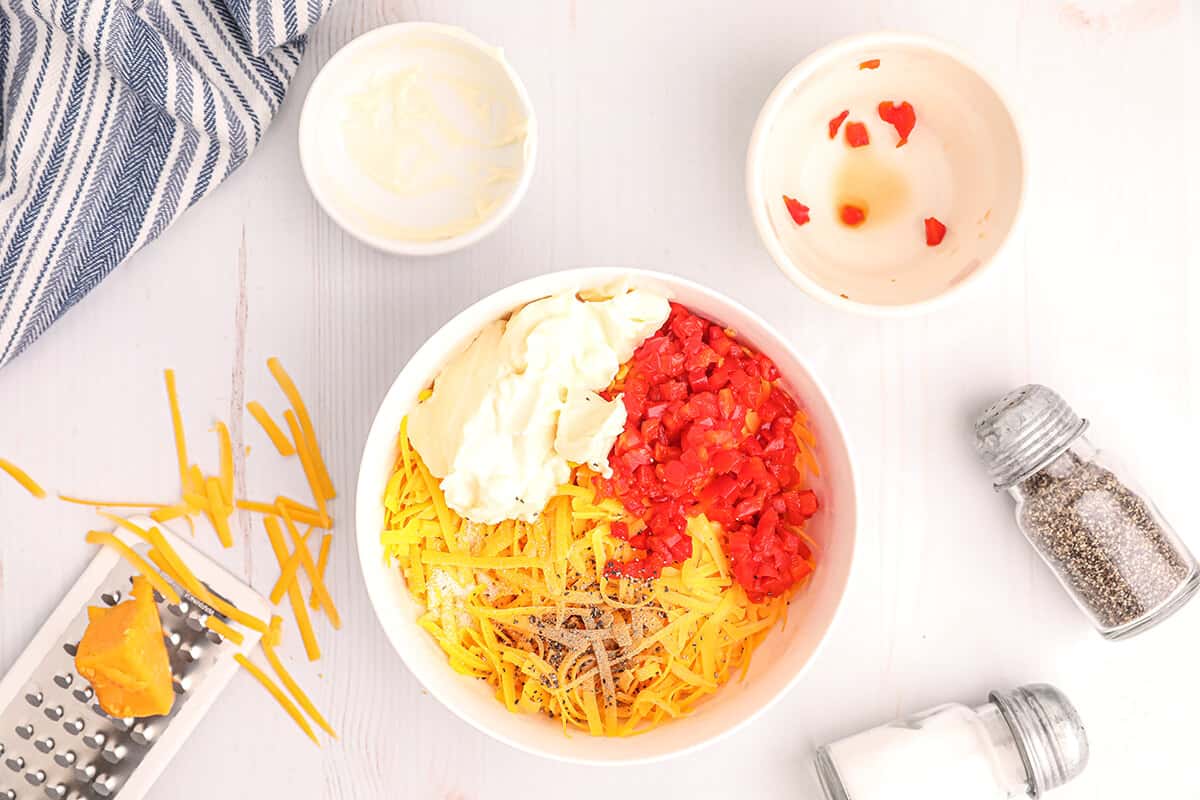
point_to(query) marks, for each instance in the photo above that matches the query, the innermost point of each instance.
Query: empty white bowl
(777, 664)
(963, 164)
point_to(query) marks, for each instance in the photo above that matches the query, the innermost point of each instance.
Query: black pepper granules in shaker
(1109, 546)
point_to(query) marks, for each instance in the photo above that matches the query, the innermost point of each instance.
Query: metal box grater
(56, 741)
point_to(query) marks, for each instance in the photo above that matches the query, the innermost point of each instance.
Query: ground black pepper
(1102, 538)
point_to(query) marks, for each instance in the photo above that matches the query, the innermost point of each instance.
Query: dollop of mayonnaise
(511, 413)
(424, 138)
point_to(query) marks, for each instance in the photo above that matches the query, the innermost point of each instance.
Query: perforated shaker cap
(1023, 431)
(1048, 732)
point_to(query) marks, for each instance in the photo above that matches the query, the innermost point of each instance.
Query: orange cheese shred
(275, 536)
(225, 446)
(177, 426)
(293, 395)
(296, 691)
(273, 431)
(22, 477)
(322, 564)
(218, 513)
(217, 626)
(139, 563)
(310, 569)
(284, 701)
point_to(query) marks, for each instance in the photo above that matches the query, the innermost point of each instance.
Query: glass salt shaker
(1022, 743)
(1111, 549)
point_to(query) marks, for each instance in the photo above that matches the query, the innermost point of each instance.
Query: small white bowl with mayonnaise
(418, 138)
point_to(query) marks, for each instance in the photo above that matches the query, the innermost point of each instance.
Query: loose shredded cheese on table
(277, 436)
(22, 477)
(293, 395)
(322, 564)
(299, 610)
(284, 701)
(129, 554)
(527, 606)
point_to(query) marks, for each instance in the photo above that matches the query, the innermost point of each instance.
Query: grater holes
(114, 753)
(64, 680)
(8, 794)
(95, 740)
(44, 745)
(16, 763)
(179, 609)
(191, 653)
(66, 758)
(85, 772)
(84, 695)
(111, 598)
(123, 724)
(54, 713)
(58, 791)
(25, 731)
(142, 733)
(99, 711)
(173, 638)
(74, 726)
(36, 777)
(35, 698)
(104, 785)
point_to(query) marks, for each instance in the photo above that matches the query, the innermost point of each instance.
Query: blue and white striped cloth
(115, 116)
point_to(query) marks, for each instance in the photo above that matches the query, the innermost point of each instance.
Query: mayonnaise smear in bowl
(418, 138)
(511, 413)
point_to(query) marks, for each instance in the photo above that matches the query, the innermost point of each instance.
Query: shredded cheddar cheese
(284, 701)
(528, 608)
(129, 554)
(22, 477)
(293, 395)
(299, 610)
(277, 436)
(322, 563)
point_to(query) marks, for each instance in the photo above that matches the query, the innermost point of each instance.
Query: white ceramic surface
(963, 164)
(777, 663)
(381, 218)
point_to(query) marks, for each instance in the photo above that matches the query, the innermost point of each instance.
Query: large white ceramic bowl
(777, 664)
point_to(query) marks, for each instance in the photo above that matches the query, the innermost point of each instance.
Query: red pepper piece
(798, 210)
(836, 123)
(870, 63)
(852, 215)
(901, 117)
(935, 231)
(856, 134)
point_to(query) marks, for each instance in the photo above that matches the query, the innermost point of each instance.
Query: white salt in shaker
(1021, 743)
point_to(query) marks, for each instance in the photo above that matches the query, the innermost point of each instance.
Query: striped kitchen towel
(115, 116)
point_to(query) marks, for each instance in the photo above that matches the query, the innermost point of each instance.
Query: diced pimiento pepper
(798, 210)
(856, 134)
(935, 231)
(836, 123)
(852, 215)
(901, 117)
(709, 431)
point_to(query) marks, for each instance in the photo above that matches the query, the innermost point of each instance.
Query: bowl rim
(766, 118)
(403, 247)
(506, 299)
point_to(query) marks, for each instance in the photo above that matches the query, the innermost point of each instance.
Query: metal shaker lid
(1023, 431)
(1048, 731)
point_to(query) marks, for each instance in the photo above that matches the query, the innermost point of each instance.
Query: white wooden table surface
(645, 110)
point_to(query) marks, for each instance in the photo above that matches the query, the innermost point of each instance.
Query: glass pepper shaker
(1111, 549)
(1021, 743)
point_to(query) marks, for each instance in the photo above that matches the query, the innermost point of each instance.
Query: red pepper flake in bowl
(935, 231)
(852, 215)
(836, 123)
(870, 63)
(710, 430)
(798, 210)
(901, 117)
(856, 134)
